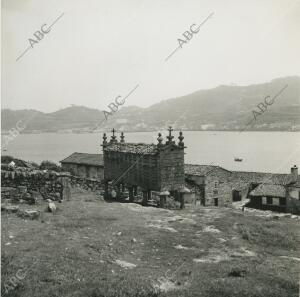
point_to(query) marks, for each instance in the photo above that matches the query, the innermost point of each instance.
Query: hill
(220, 108)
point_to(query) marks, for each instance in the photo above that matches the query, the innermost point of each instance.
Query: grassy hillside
(92, 248)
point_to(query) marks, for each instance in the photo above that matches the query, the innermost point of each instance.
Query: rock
(22, 190)
(29, 214)
(51, 207)
(133, 240)
(237, 272)
(9, 208)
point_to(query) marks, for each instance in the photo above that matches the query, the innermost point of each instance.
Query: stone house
(283, 196)
(210, 184)
(84, 165)
(268, 197)
(216, 186)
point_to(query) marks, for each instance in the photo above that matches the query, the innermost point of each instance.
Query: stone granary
(153, 168)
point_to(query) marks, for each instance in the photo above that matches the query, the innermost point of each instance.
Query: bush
(49, 165)
(18, 162)
(6, 159)
(34, 164)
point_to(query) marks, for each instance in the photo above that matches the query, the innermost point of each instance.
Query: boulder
(51, 207)
(29, 214)
(9, 208)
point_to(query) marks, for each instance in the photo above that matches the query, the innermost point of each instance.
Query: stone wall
(87, 184)
(28, 184)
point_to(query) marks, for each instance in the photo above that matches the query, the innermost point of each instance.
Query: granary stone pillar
(122, 188)
(131, 196)
(182, 193)
(145, 197)
(135, 190)
(163, 198)
(119, 192)
(162, 201)
(181, 199)
(106, 195)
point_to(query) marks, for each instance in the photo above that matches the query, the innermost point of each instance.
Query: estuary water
(259, 151)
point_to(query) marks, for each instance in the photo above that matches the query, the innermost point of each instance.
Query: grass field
(93, 248)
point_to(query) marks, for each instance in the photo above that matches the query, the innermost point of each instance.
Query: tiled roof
(201, 170)
(269, 190)
(135, 148)
(83, 158)
(295, 184)
(261, 177)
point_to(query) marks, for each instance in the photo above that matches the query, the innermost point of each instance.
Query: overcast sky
(99, 50)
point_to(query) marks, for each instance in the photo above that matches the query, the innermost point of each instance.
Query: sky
(98, 50)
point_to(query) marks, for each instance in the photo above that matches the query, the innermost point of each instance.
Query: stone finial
(180, 137)
(170, 137)
(122, 137)
(104, 139)
(159, 139)
(113, 137)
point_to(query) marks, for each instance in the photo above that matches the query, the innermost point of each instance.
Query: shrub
(6, 159)
(49, 165)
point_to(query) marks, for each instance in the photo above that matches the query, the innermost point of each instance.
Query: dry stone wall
(29, 184)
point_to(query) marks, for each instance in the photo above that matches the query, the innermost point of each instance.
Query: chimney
(294, 173)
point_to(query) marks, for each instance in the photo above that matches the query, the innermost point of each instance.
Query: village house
(210, 184)
(216, 186)
(84, 165)
(283, 195)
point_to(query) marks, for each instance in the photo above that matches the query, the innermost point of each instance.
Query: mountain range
(228, 108)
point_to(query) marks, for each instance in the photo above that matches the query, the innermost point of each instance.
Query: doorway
(216, 201)
(236, 195)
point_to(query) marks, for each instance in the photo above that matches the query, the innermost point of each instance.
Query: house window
(299, 195)
(269, 200)
(216, 184)
(215, 192)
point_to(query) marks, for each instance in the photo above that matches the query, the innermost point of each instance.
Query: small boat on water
(238, 159)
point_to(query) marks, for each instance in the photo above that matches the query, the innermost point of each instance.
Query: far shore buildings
(159, 169)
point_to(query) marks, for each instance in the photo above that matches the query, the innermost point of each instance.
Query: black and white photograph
(150, 148)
